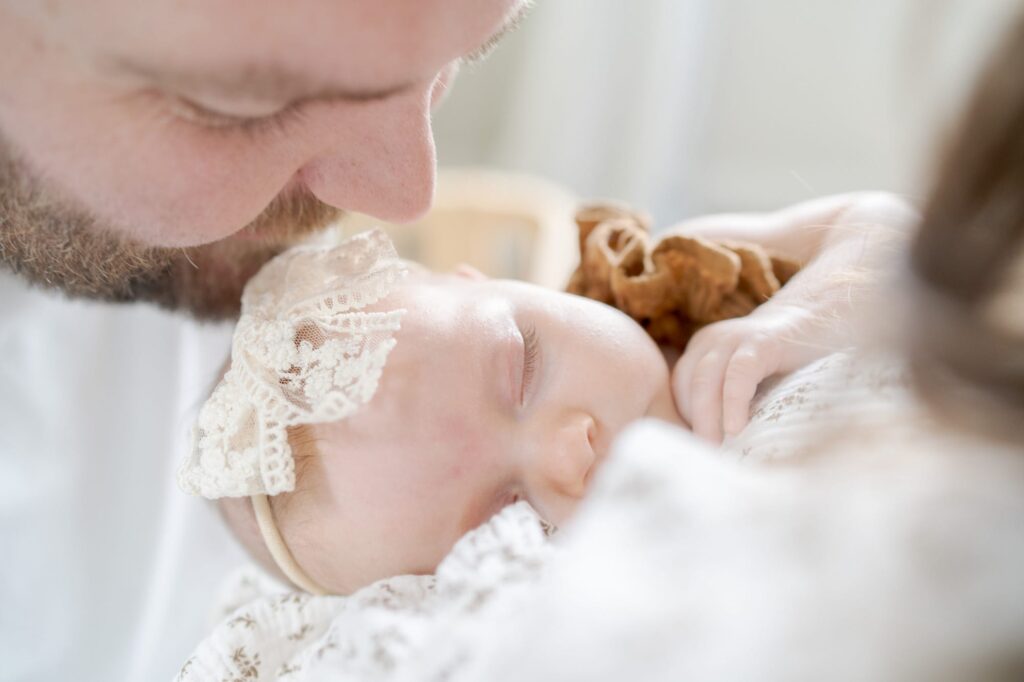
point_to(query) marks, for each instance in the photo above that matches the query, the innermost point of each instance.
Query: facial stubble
(54, 244)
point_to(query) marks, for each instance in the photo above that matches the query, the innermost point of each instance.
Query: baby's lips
(600, 447)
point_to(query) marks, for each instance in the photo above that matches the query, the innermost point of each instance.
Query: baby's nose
(566, 461)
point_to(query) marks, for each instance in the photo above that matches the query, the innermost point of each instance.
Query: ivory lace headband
(305, 351)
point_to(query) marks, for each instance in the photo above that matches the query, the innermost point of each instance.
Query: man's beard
(55, 245)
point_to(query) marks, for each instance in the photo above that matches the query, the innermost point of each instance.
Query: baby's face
(496, 391)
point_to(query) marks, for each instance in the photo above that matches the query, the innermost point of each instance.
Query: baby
(374, 412)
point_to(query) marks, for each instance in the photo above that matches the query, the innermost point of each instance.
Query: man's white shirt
(109, 571)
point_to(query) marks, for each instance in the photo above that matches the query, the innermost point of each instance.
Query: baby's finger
(749, 365)
(706, 394)
(682, 373)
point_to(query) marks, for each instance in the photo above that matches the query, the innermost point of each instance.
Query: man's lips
(248, 235)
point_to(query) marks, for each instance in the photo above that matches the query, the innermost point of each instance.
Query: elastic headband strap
(279, 550)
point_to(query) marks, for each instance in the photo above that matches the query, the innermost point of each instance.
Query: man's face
(163, 150)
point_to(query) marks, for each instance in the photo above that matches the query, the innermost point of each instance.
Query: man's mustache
(292, 215)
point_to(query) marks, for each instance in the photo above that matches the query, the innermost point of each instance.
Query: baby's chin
(652, 368)
(663, 406)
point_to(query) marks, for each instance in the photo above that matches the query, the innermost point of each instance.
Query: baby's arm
(839, 240)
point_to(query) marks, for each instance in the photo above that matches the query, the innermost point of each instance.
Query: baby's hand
(718, 375)
(840, 240)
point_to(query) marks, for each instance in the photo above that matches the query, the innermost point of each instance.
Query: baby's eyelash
(531, 345)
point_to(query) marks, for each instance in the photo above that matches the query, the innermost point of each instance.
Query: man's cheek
(177, 187)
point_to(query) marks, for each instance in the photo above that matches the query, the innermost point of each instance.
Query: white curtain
(689, 106)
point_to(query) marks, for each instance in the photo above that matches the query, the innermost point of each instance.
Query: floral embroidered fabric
(792, 414)
(268, 633)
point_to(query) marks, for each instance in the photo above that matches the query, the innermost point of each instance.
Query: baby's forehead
(450, 325)
(433, 302)
(444, 350)
(441, 380)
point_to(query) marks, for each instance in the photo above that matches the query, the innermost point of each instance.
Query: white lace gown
(892, 549)
(268, 632)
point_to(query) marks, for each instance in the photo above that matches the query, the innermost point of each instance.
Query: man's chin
(207, 281)
(204, 281)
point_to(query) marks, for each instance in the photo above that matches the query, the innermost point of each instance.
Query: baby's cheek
(463, 445)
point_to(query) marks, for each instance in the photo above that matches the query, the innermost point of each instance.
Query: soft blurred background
(680, 107)
(685, 107)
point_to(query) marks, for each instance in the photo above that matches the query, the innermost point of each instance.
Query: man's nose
(375, 158)
(566, 461)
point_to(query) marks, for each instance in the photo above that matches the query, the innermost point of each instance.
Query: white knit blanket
(878, 558)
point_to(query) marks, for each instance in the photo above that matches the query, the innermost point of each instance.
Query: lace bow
(304, 352)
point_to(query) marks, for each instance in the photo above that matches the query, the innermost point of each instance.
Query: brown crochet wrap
(675, 284)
